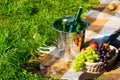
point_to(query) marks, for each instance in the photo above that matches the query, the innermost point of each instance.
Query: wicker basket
(93, 67)
(96, 67)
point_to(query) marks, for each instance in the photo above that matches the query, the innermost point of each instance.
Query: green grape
(88, 55)
(95, 57)
(93, 52)
(76, 68)
(90, 60)
(77, 65)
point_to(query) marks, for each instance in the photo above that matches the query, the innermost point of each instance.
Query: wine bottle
(78, 20)
(75, 26)
(61, 25)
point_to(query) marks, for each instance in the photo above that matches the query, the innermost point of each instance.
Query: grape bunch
(95, 52)
(104, 53)
(86, 55)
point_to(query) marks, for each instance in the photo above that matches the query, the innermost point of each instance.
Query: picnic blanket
(103, 22)
(104, 25)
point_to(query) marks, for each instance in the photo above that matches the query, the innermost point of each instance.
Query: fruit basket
(112, 61)
(96, 58)
(93, 67)
(97, 67)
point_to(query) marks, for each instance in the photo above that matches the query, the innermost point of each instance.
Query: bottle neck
(78, 14)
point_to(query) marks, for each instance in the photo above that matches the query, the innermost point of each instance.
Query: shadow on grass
(35, 68)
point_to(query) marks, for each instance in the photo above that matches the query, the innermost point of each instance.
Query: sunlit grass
(24, 26)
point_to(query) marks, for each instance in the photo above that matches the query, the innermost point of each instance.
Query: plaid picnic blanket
(104, 21)
(104, 25)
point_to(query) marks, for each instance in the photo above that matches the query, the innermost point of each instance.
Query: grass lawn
(24, 26)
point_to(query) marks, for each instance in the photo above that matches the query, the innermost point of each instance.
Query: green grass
(26, 25)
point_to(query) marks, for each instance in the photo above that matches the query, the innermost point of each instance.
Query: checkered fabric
(104, 20)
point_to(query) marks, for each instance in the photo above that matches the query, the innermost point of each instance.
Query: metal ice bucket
(70, 43)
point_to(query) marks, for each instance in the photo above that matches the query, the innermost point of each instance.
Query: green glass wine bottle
(76, 26)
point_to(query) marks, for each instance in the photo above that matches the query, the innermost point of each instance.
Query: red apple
(94, 44)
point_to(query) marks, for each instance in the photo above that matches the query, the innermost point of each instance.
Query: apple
(93, 44)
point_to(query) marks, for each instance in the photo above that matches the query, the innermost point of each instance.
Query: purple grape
(98, 49)
(108, 55)
(108, 49)
(108, 52)
(101, 60)
(105, 64)
(100, 44)
(101, 48)
(103, 52)
(98, 52)
(99, 57)
(102, 68)
(102, 55)
(105, 57)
